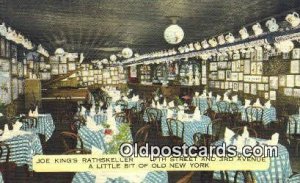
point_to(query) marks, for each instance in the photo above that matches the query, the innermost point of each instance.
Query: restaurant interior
(80, 76)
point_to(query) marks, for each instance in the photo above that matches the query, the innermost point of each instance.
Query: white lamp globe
(127, 53)
(174, 34)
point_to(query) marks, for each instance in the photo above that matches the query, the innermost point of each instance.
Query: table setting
(23, 145)
(269, 112)
(280, 167)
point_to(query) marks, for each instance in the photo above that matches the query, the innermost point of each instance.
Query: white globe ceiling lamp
(127, 52)
(174, 34)
(285, 46)
(59, 51)
(113, 58)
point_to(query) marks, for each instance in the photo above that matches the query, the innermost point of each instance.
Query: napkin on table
(196, 94)
(274, 139)
(228, 135)
(245, 133)
(247, 103)
(235, 98)
(210, 94)
(153, 104)
(197, 114)
(17, 126)
(165, 102)
(257, 103)
(218, 98)
(171, 104)
(268, 104)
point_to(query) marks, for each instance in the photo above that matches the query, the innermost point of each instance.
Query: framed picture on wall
(295, 67)
(253, 68)
(259, 68)
(238, 65)
(296, 92)
(222, 85)
(213, 66)
(7, 51)
(288, 91)
(235, 86)
(285, 56)
(228, 75)
(226, 85)
(266, 87)
(273, 82)
(267, 95)
(204, 81)
(234, 76)
(296, 53)
(246, 88)
(241, 86)
(233, 66)
(297, 80)
(282, 80)
(253, 89)
(260, 87)
(241, 76)
(221, 75)
(265, 79)
(272, 95)
(3, 47)
(290, 80)
(247, 67)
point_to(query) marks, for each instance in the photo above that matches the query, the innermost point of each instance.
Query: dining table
(45, 125)
(279, 170)
(192, 125)
(22, 149)
(96, 138)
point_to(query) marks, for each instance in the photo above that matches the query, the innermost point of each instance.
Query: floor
(54, 146)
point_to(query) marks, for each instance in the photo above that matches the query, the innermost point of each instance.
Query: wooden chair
(248, 177)
(70, 140)
(154, 117)
(77, 123)
(240, 130)
(210, 113)
(122, 103)
(292, 134)
(217, 129)
(186, 178)
(28, 122)
(6, 167)
(235, 115)
(142, 135)
(121, 117)
(254, 116)
(176, 131)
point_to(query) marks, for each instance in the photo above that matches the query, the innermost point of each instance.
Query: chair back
(240, 130)
(292, 126)
(254, 114)
(216, 128)
(70, 140)
(4, 152)
(142, 135)
(247, 177)
(175, 127)
(28, 122)
(121, 117)
(122, 103)
(223, 107)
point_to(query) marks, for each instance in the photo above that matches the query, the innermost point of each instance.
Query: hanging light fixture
(174, 33)
(127, 53)
(285, 46)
